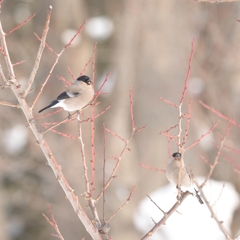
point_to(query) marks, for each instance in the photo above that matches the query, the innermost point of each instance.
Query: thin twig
(49, 114)
(18, 63)
(152, 168)
(53, 223)
(71, 73)
(213, 215)
(188, 73)
(51, 161)
(165, 217)
(168, 102)
(205, 134)
(131, 109)
(212, 166)
(219, 114)
(55, 63)
(9, 104)
(104, 168)
(85, 67)
(39, 54)
(87, 187)
(232, 149)
(20, 24)
(125, 148)
(164, 213)
(127, 201)
(188, 123)
(59, 123)
(236, 168)
(93, 125)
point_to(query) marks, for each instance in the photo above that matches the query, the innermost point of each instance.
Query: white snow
(193, 220)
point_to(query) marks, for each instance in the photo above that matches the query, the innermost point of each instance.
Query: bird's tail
(50, 105)
(198, 196)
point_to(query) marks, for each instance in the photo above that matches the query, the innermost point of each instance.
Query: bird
(77, 96)
(172, 173)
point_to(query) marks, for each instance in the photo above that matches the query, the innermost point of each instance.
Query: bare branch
(164, 213)
(131, 109)
(152, 168)
(39, 54)
(204, 135)
(213, 215)
(165, 217)
(168, 102)
(128, 199)
(104, 168)
(93, 124)
(84, 69)
(212, 166)
(59, 123)
(18, 63)
(9, 104)
(55, 63)
(188, 73)
(219, 114)
(20, 24)
(77, 33)
(53, 223)
(83, 156)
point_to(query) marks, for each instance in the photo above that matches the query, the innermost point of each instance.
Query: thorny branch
(53, 223)
(51, 161)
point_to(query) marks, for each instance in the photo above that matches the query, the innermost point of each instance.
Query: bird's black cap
(177, 154)
(84, 78)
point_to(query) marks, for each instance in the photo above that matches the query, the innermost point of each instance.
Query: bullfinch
(77, 96)
(172, 173)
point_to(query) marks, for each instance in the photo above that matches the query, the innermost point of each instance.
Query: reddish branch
(18, 63)
(212, 166)
(9, 104)
(165, 217)
(39, 54)
(128, 199)
(236, 168)
(188, 74)
(219, 114)
(168, 102)
(85, 67)
(71, 73)
(125, 148)
(51, 161)
(53, 223)
(204, 135)
(188, 123)
(55, 63)
(93, 126)
(20, 24)
(152, 168)
(213, 215)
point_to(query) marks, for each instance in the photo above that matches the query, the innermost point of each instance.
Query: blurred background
(145, 44)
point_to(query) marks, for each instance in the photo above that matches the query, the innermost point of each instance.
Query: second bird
(172, 172)
(77, 96)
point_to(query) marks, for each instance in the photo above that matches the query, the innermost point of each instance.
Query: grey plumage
(172, 173)
(77, 96)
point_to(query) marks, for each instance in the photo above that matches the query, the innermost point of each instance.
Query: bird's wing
(74, 90)
(63, 95)
(74, 94)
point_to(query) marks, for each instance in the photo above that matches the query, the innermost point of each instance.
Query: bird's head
(85, 79)
(177, 156)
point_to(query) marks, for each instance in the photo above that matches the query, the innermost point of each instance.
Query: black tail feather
(198, 197)
(50, 105)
